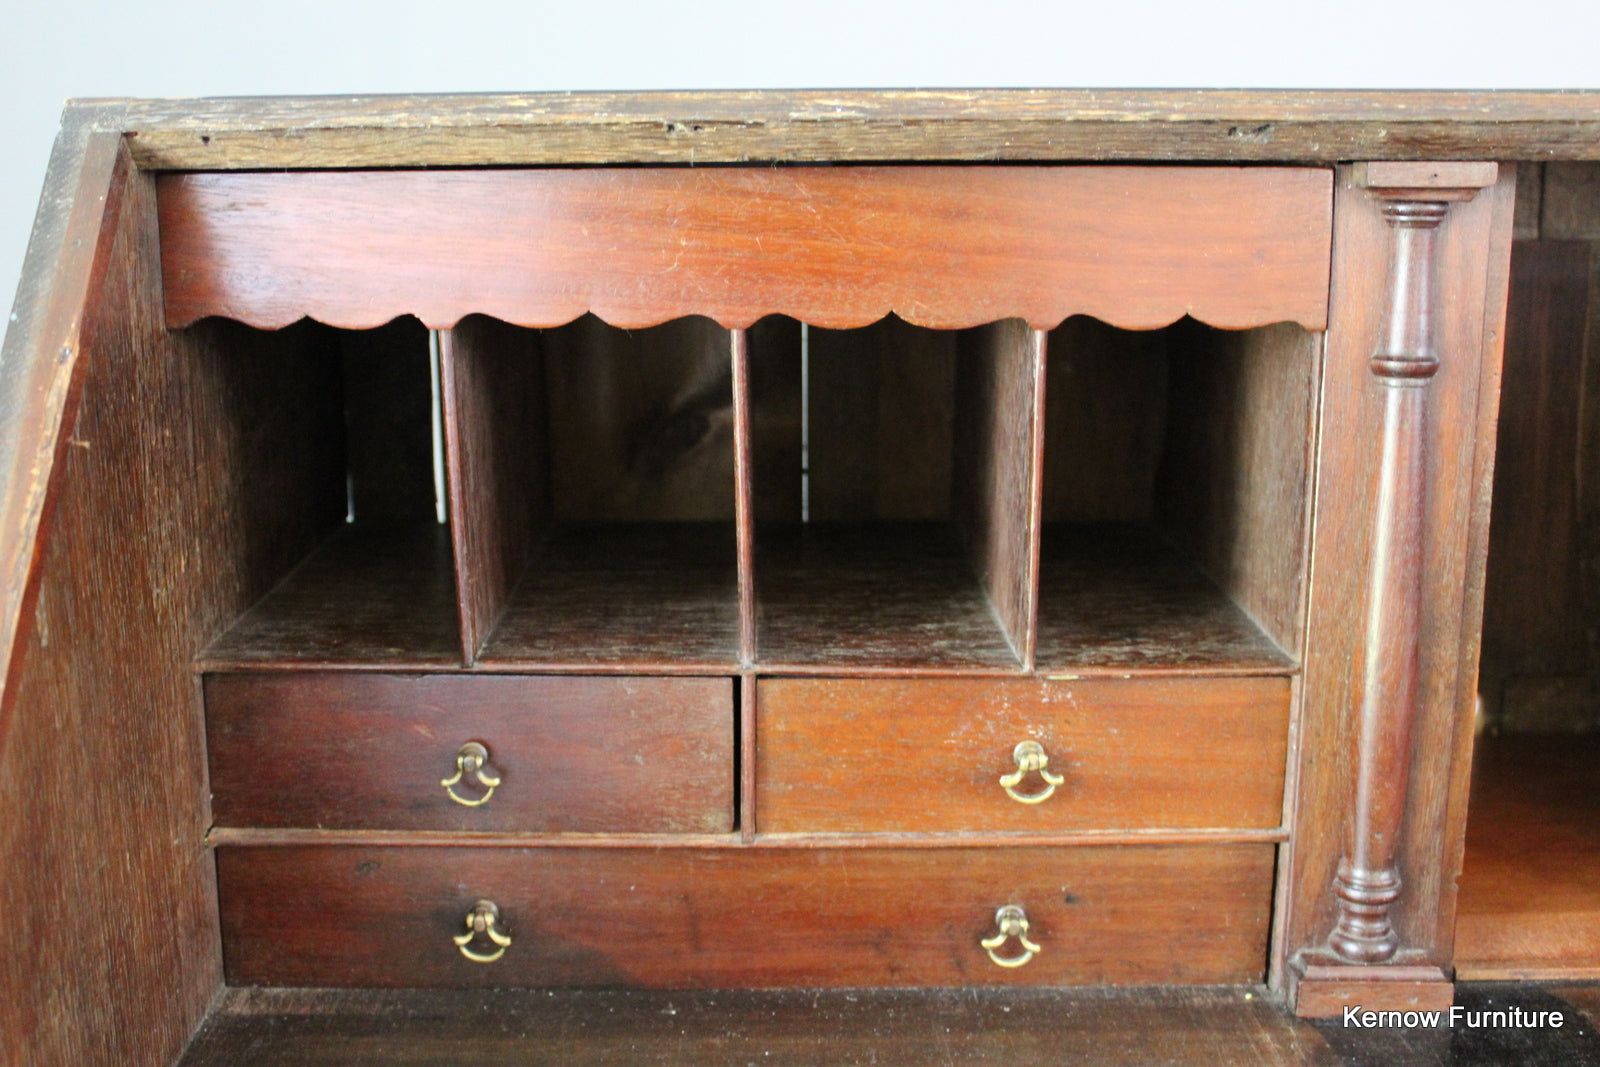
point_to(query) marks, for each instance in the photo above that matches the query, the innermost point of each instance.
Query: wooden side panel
(882, 756)
(105, 878)
(356, 750)
(1234, 479)
(1534, 620)
(999, 378)
(1472, 247)
(837, 246)
(731, 918)
(497, 457)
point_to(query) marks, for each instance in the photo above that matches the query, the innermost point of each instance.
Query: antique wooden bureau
(741, 540)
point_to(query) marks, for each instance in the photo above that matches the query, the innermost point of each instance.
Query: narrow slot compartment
(592, 470)
(335, 525)
(915, 546)
(1176, 486)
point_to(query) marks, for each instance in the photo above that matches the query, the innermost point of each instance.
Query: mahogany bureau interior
(1047, 572)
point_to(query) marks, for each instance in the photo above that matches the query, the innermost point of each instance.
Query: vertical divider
(997, 486)
(496, 464)
(739, 354)
(744, 522)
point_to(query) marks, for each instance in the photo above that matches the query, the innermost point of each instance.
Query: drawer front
(928, 755)
(743, 917)
(355, 750)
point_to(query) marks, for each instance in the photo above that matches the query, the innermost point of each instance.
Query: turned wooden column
(1368, 883)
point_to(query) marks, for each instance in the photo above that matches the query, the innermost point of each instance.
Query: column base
(1328, 986)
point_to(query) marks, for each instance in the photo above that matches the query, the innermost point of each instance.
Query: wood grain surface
(843, 246)
(357, 750)
(861, 126)
(863, 756)
(1473, 254)
(728, 918)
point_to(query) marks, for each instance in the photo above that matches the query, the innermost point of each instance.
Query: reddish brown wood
(839, 247)
(358, 749)
(999, 378)
(1530, 887)
(1471, 250)
(744, 533)
(497, 464)
(1116, 599)
(858, 756)
(365, 598)
(728, 918)
(1368, 882)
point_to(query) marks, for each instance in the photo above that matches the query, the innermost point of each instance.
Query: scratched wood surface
(863, 126)
(833, 246)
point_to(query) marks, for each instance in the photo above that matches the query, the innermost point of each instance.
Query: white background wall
(52, 51)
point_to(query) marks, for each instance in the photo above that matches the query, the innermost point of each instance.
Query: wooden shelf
(643, 595)
(1530, 885)
(900, 596)
(1115, 598)
(381, 598)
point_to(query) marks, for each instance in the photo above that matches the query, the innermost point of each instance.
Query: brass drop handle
(472, 763)
(1011, 922)
(1030, 757)
(483, 920)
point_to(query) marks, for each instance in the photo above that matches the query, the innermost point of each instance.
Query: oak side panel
(744, 918)
(999, 379)
(497, 464)
(1234, 480)
(833, 246)
(877, 756)
(1472, 246)
(361, 750)
(151, 553)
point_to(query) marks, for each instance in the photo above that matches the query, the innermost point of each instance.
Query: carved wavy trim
(943, 247)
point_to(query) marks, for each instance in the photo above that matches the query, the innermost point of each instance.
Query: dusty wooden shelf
(381, 598)
(636, 595)
(888, 595)
(1115, 598)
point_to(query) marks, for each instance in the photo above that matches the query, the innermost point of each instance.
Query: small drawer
(741, 917)
(357, 750)
(929, 755)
